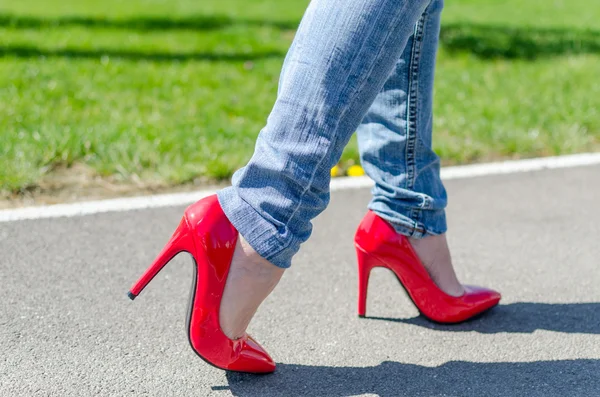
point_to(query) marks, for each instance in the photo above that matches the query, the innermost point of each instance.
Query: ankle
(247, 258)
(434, 254)
(250, 280)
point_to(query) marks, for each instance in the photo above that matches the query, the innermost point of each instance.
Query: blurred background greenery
(165, 92)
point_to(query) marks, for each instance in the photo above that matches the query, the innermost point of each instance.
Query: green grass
(172, 91)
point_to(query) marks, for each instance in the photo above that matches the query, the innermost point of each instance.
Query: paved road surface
(68, 329)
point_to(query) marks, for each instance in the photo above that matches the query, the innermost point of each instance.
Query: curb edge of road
(337, 184)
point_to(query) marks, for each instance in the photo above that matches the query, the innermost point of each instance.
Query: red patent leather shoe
(378, 245)
(208, 236)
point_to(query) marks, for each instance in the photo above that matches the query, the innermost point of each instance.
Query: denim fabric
(395, 138)
(341, 57)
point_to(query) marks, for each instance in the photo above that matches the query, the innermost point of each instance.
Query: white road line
(337, 184)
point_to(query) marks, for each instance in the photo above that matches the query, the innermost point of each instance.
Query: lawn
(169, 92)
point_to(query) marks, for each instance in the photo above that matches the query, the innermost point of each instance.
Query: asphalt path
(68, 329)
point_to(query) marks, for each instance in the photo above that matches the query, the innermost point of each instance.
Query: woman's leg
(342, 55)
(395, 141)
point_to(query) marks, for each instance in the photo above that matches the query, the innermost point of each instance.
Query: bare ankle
(250, 280)
(435, 256)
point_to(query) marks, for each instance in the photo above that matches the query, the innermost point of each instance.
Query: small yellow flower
(335, 171)
(356, 170)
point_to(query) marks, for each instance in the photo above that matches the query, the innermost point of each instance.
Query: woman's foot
(251, 279)
(423, 267)
(206, 233)
(435, 256)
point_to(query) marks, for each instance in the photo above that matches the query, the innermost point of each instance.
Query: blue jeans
(357, 65)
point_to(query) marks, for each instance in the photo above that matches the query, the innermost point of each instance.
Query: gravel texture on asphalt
(68, 329)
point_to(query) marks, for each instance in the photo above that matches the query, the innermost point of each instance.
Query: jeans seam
(412, 108)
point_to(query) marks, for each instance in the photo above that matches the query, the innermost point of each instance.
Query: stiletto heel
(378, 244)
(365, 265)
(179, 241)
(206, 234)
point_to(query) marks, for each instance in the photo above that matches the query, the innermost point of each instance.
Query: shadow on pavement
(454, 378)
(523, 317)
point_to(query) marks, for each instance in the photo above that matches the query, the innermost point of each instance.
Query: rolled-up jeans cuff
(405, 225)
(261, 234)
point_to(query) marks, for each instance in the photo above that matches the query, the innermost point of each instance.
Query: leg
(395, 141)
(341, 57)
(339, 61)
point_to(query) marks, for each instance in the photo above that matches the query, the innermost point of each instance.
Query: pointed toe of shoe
(253, 358)
(474, 301)
(481, 298)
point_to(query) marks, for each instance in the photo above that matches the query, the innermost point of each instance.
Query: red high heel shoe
(378, 245)
(208, 236)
